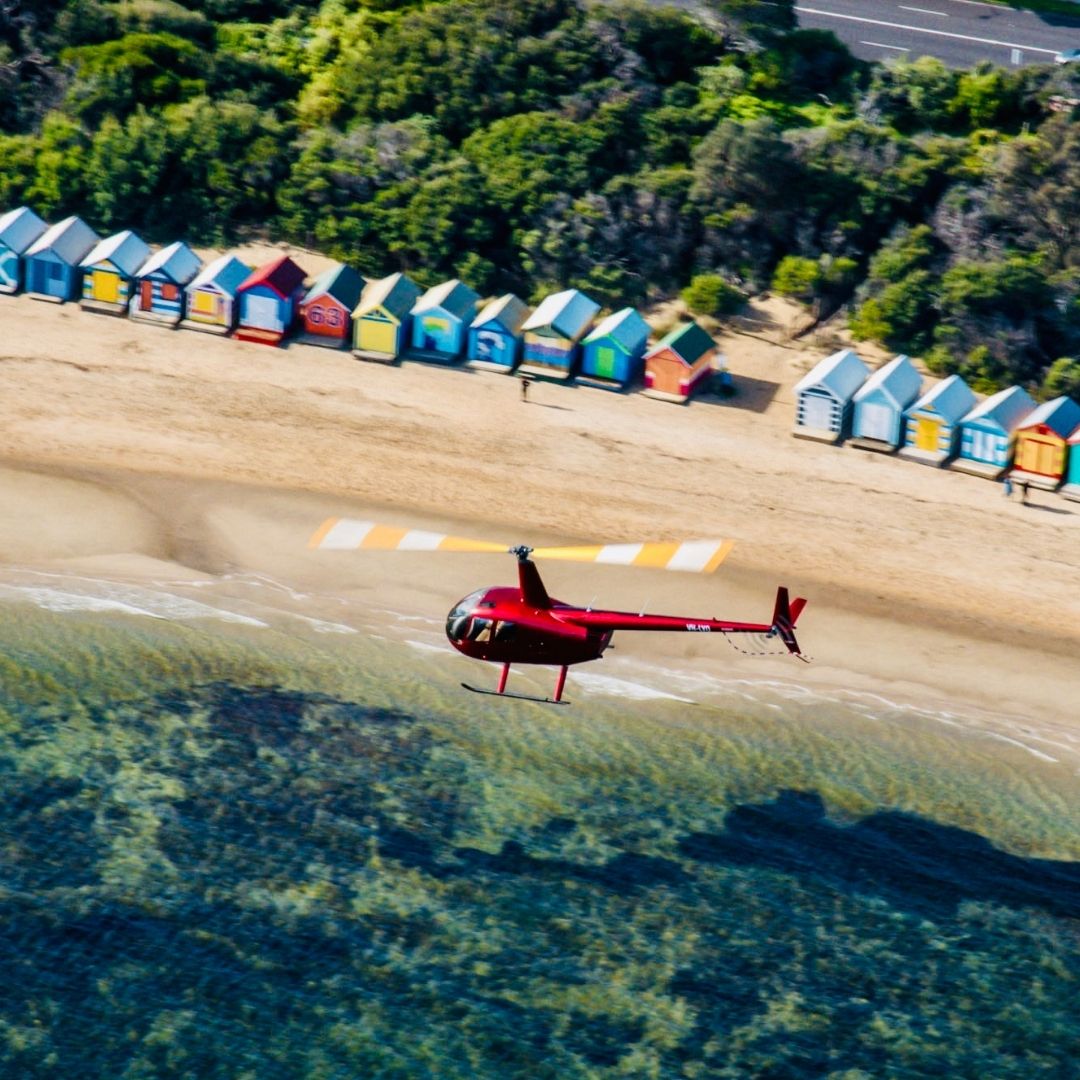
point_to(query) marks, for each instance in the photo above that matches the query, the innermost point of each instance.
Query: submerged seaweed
(218, 871)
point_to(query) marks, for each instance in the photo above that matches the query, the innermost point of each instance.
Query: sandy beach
(127, 448)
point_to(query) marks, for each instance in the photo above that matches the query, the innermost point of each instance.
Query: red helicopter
(524, 625)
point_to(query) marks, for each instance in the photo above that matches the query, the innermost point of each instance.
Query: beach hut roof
(841, 374)
(1060, 415)
(177, 260)
(625, 328)
(1006, 408)
(395, 294)
(567, 313)
(226, 273)
(19, 228)
(897, 379)
(341, 282)
(509, 311)
(126, 251)
(280, 274)
(453, 296)
(952, 399)
(69, 240)
(688, 340)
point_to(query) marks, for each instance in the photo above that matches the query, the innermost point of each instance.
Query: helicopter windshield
(459, 620)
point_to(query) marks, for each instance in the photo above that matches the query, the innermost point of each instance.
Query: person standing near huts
(19, 229)
(824, 397)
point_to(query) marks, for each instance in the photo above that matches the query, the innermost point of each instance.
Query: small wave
(610, 686)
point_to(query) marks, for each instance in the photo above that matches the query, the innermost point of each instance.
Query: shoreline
(917, 578)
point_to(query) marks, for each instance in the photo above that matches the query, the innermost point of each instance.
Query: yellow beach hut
(109, 273)
(380, 320)
(932, 424)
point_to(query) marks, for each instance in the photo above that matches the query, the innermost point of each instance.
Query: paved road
(959, 32)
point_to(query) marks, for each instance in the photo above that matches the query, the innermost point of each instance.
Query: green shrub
(710, 294)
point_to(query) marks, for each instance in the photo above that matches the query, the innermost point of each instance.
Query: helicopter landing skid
(517, 697)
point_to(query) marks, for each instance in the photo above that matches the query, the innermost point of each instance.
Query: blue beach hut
(109, 272)
(932, 424)
(160, 284)
(553, 332)
(1071, 490)
(612, 356)
(51, 266)
(879, 404)
(18, 231)
(824, 397)
(440, 321)
(987, 432)
(495, 334)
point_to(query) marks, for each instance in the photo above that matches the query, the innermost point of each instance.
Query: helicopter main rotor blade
(694, 556)
(348, 534)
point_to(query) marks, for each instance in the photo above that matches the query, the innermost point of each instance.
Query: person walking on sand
(525, 380)
(1023, 492)
(1006, 486)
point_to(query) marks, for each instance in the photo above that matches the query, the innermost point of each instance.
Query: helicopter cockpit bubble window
(457, 622)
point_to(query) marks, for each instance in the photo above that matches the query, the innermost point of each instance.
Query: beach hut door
(926, 437)
(983, 445)
(262, 311)
(146, 295)
(877, 422)
(817, 412)
(605, 362)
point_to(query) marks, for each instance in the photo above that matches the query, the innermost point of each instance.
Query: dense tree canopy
(621, 147)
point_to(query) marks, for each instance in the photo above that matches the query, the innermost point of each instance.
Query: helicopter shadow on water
(917, 865)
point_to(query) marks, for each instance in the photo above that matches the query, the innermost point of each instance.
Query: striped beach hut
(680, 364)
(381, 319)
(19, 229)
(327, 307)
(51, 264)
(268, 300)
(878, 406)
(988, 431)
(160, 284)
(495, 334)
(553, 332)
(1042, 443)
(1071, 490)
(825, 395)
(613, 354)
(440, 321)
(210, 299)
(108, 272)
(932, 424)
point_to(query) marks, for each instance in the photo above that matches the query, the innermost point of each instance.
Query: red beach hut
(268, 301)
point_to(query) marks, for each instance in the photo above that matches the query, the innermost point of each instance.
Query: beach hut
(108, 272)
(680, 364)
(553, 331)
(160, 284)
(210, 299)
(1071, 490)
(988, 431)
(327, 307)
(1042, 442)
(381, 319)
(440, 321)
(51, 264)
(824, 397)
(878, 406)
(932, 424)
(613, 354)
(18, 230)
(495, 334)
(267, 301)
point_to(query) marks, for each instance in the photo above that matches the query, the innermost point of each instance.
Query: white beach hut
(877, 422)
(824, 397)
(988, 432)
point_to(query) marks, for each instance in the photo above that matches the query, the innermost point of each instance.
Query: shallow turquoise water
(244, 839)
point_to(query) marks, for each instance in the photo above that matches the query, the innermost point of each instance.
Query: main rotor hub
(522, 552)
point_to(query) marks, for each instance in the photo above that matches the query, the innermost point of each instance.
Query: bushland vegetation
(624, 148)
